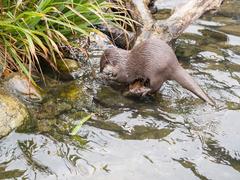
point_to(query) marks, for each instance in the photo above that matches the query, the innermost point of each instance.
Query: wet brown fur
(152, 60)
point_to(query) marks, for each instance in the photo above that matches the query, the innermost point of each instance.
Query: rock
(214, 35)
(62, 99)
(1, 69)
(67, 69)
(20, 86)
(79, 52)
(235, 49)
(163, 14)
(12, 113)
(231, 29)
(230, 9)
(68, 65)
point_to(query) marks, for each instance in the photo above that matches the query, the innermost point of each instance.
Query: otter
(152, 60)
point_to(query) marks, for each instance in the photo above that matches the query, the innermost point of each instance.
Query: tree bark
(174, 26)
(168, 29)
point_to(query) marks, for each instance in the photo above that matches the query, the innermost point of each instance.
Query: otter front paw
(142, 91)
(138, 88)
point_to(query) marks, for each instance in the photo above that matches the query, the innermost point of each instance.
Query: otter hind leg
(155, 85)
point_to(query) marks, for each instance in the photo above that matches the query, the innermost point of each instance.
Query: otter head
(112, 64)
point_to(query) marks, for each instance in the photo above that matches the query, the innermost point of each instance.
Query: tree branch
(172, 27)
(182, 17)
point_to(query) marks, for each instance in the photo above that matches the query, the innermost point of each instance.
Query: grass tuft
(31, 30)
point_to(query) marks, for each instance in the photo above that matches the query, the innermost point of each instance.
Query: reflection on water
(172, 135)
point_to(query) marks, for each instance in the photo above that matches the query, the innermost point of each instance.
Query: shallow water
(173, 135)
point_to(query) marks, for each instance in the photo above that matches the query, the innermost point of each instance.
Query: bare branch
(170, 28)
(182, 17)
(142, 7)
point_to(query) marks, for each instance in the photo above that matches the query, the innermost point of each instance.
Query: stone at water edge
(68, 65)
(19, 86)
(1, 70)
(12, 113)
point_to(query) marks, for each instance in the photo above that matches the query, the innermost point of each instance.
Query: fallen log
(172, 27)
(169, 29)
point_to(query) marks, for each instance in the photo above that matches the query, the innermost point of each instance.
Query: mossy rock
(19, 86)
(68, 65)
(12, 113)
(231, 29)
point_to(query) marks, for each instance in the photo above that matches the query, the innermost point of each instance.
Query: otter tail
(185, 80)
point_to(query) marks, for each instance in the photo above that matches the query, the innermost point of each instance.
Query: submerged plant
(32, 30)
(79, 125)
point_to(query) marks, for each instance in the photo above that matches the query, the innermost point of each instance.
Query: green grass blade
(81, 122)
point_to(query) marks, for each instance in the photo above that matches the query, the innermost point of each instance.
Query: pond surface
(173, 135)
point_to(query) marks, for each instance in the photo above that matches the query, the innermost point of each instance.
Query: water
(173, 135)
